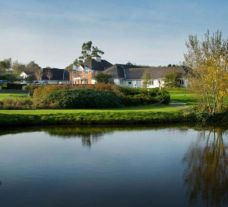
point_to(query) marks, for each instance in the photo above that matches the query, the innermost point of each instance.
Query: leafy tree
(69, 67)
(103, 78)
(38, 74)
(8, 76)
(32, 67)
(172, 79)
(209, 62)
(18, 67)
(146, 78)
(129, 64)
(77, 62)
(5, 64)
(49, 74)
(88, 52)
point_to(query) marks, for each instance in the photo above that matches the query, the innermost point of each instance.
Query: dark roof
(57, 74)
(116, 71)
(121, 70)
(137, 72)
(97, 65)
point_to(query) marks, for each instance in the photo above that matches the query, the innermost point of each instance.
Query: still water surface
(121, 167)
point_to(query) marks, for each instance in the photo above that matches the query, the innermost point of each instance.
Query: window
(129, 82)
(151, 82)
(181, 82)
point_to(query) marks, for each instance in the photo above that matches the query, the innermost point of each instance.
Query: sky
(145, 32)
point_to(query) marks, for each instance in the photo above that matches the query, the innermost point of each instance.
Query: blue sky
(146, 32)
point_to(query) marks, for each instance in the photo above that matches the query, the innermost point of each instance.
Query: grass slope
(132, 115)
(12, 95)
(182, 95)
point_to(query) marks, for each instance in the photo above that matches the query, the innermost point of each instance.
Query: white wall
(185, 85)
(117, 81)
(132, 83)
(23, 75)
(93, 81)
(155, 83)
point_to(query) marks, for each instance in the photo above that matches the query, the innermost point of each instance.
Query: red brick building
(85, 74)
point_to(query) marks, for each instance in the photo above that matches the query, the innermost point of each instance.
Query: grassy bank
(182, 95)
(13, 95)
(161, 115)
(149, 114)
(44, 117)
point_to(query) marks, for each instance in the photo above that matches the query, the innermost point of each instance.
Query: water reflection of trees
(87, 135)
(90, 135)
(206, 174)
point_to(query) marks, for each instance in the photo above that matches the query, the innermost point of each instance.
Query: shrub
(30, 88)
(42, 92)
(71, 96)
(83, 98)
(22, 103)
(164, 97)
(141, 96)
(8, 77)
(103, 78)
(14, 86)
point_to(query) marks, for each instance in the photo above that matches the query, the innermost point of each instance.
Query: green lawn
(185, 96)
(182, 95)
(226, 101)
(13, 95)
(149, 108)
(77, 112)
(156, 115)
(149, 114)
(178, 95)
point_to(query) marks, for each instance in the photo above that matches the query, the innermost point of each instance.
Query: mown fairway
(13, 95)
(182, 95)
(181, 99)
(176, 112)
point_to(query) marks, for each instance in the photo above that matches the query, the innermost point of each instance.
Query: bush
(142, 96)
(8, 77)
(14, 86)
(83, 98)
(30, 88)
(23, 103)
(101, 95)
(103, 78)
(41, 93)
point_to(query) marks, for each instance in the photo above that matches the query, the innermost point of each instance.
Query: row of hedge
(19, 103)
(100, 96)
(83, 98)
(14, 86)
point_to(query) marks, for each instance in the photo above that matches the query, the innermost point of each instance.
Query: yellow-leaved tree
(208, 60)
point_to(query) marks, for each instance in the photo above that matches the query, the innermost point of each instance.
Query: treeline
(10, 70)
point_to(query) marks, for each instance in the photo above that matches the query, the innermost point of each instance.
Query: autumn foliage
(209, 78)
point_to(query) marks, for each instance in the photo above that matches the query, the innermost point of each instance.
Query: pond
(108, 166)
